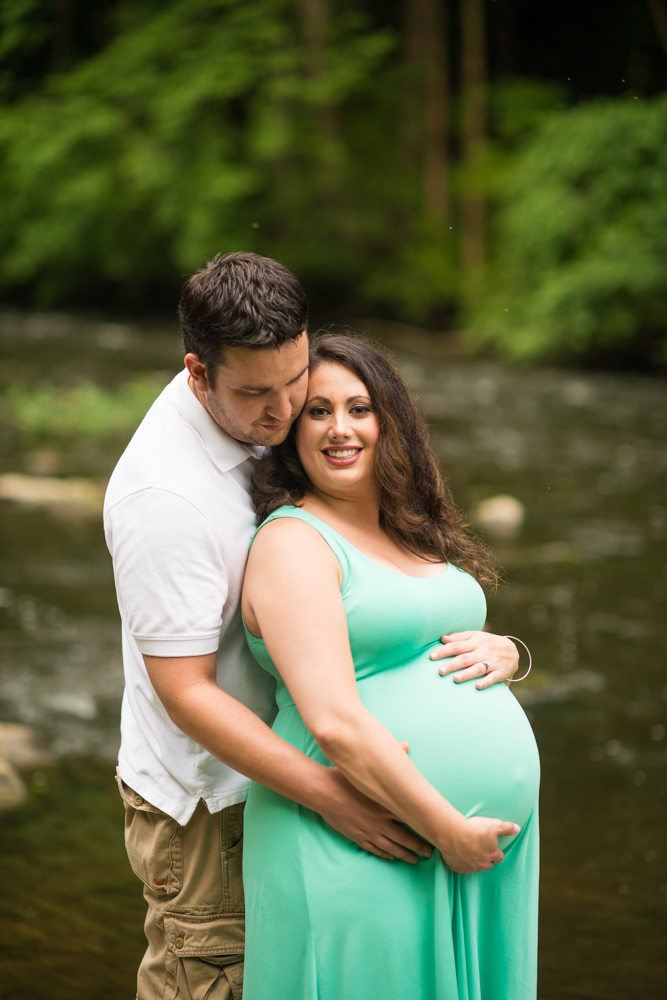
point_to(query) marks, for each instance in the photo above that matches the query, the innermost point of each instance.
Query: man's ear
(198, 372)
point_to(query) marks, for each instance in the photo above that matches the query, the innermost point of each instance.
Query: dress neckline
(408, 576)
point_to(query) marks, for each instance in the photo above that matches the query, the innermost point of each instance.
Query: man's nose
(280, 407)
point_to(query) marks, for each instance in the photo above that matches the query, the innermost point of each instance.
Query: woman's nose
(339, 427)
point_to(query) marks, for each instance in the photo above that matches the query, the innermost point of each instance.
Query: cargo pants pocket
(154, 843)
(231, 844)
(205, 956)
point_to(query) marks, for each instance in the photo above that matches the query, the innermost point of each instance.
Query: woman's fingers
(489, 679)
(479, 845)
(465, 651)
(462, 659)
(450, 649)
(476, 669)
(507, 829)
(461, 867)
(469, 668)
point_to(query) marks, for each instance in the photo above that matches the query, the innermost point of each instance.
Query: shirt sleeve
(170, 577)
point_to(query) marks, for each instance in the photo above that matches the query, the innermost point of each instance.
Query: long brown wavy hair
(417, 510)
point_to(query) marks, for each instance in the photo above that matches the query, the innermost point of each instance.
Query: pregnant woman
(360, 558)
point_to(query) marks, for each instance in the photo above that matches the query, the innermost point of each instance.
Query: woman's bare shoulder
(290, 540)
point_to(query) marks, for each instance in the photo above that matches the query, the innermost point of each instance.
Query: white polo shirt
(178, 521)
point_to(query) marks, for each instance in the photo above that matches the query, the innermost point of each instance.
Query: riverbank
(71, 910)
(572, 469)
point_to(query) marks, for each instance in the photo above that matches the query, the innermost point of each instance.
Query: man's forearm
(187, 688)
(236, 736)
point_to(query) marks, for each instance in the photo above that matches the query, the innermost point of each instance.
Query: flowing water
(586, 582)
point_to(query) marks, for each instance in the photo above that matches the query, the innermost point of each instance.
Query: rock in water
(82, 496)
(12, 790)
(500, 516)
(19, 746)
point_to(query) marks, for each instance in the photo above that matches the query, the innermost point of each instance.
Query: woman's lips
(341, 457)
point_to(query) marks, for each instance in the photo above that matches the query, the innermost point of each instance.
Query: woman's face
(337, 432)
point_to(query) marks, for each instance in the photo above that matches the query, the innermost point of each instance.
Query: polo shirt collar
(224, 451)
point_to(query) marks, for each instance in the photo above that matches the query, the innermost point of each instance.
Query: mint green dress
(328, 921)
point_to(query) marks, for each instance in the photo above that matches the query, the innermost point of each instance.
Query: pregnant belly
(476, 747)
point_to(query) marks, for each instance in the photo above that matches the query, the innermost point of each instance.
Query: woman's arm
(292, 595)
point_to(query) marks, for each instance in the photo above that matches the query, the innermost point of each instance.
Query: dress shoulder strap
(335, 542)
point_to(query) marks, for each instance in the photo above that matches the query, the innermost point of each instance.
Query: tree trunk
(473, 63)
(505, 12)
(316, 21)
(657, 9)
(427, 51)
(316, 16)
(127, 13)
(61, 39)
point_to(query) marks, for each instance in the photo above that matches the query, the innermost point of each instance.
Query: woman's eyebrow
(325, 399)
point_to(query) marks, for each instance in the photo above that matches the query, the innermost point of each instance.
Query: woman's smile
(337, 432)
(341, 457)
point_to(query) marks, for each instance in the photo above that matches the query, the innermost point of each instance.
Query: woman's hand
(474, 845)
(471, 651)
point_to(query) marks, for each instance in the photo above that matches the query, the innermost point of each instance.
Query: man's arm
(186, 686)
(172, 586)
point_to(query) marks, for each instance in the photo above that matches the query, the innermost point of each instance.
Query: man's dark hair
(240, 300)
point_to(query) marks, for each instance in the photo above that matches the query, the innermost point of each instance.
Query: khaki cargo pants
(194, 889)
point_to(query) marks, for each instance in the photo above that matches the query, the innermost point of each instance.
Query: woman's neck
(361, 512)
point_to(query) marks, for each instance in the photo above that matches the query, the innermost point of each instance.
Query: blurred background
(479, 184)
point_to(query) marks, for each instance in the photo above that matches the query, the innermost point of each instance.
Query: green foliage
(203, 128)
(518, 105)
(24, 29)
(84, 411)
(418, 279)
(581, 242)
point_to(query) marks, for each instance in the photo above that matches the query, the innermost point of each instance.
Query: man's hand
(370, 825)
(475, 845)
(471, 650)
(187, 688)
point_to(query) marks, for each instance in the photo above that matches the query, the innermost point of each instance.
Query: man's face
(258, 394)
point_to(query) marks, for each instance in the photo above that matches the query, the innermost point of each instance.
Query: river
(585, 588)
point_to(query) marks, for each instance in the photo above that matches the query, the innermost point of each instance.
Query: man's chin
(265, 437)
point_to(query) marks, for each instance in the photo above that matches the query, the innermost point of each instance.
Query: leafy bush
(581, 240)
(202, 128)
(82, 411)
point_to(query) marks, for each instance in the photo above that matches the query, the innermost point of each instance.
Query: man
(197, 708)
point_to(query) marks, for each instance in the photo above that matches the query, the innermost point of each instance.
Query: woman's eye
(361, 411)
(318, 411)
